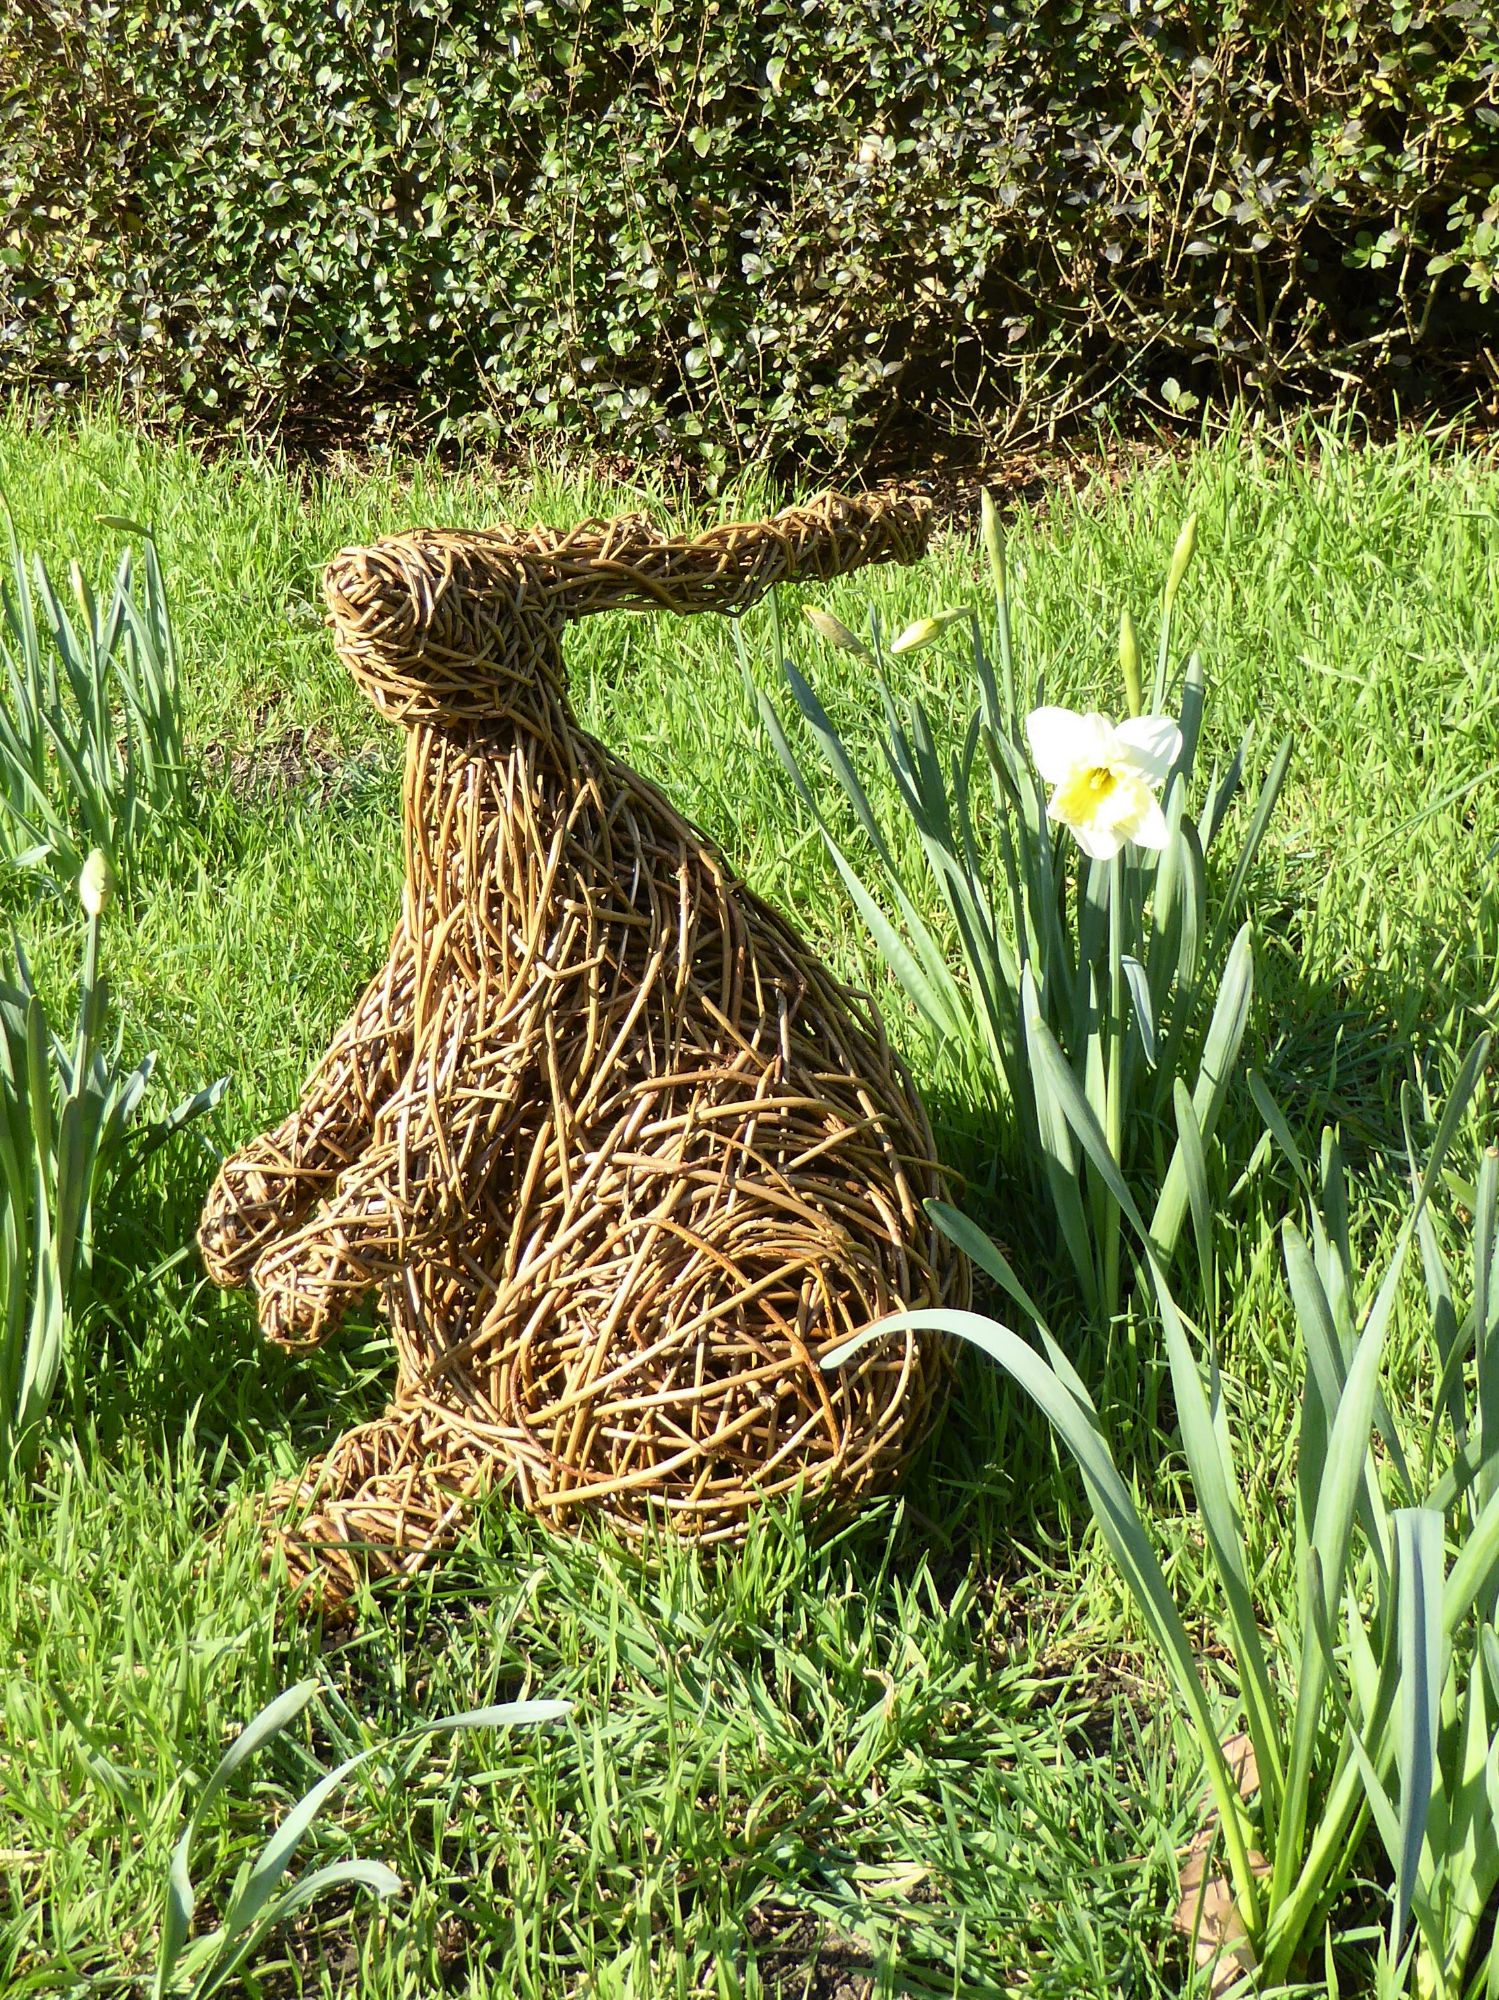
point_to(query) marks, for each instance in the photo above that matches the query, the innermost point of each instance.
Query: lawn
(932, 1757)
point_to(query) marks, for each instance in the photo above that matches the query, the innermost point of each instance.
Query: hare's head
(443, 627)
(451, 627)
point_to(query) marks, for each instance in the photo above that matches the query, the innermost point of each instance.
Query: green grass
(933, 1754)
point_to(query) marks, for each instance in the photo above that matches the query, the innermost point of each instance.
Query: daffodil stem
(1114, 1080)
(88, 988)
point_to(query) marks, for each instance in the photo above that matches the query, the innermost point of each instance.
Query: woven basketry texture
(621, 1156)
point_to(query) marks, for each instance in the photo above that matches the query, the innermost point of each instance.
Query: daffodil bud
(96, 885)
(993, 540)
(925, 630)
(1181, 555)
(834, 631)
(1129, 663)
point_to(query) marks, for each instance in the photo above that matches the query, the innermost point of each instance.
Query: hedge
(728, 227)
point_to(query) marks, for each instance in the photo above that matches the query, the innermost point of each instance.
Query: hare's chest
(586, 966)
(552, 874)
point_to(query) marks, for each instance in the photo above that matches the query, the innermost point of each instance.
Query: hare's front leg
(430, 1155)
(267, 1188)
(376, 1213)
(380, 1503)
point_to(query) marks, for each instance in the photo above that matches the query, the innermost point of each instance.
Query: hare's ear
(633, 530)
(628, 564)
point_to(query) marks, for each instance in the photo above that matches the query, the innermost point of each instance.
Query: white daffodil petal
(1099, 843)
(1151, 743)
(1152, 831)
(1063, 742)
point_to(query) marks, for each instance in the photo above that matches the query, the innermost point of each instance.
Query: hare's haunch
(621, 1156)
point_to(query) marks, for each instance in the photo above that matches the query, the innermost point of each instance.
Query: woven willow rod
(620, 1155)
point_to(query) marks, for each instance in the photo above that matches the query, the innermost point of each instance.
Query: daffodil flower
(1103, 777)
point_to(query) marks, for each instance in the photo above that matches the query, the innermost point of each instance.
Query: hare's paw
(384, 1500)
(359, 1236)
(305, 1285)
(260, 1193)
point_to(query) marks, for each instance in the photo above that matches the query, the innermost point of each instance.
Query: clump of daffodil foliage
(70, 1130)
(1082, 979)
(1375, 1698)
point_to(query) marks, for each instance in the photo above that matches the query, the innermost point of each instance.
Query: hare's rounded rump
(670, 1364)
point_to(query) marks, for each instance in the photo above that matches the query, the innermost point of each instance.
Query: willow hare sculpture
(621, 1156)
